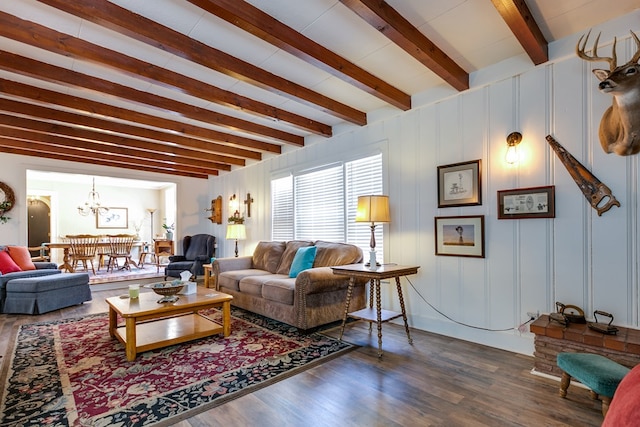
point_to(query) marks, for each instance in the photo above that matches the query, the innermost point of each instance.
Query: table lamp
(237, 232)
(373, 209)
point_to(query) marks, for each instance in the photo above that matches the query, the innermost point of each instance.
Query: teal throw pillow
(303, 260)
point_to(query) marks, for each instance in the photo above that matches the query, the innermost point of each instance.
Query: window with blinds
(363, 177)
(282, 209)
(321, 204)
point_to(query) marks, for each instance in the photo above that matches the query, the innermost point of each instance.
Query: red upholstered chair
(624, 410)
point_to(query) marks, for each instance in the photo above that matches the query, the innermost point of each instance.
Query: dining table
(66, 258)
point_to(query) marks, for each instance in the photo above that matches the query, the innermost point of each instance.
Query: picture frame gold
(460, 236)
(460, 184)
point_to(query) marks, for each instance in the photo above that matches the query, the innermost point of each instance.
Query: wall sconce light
(512, 157)
(234, 205)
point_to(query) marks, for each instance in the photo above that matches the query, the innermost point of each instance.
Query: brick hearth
(552, 338)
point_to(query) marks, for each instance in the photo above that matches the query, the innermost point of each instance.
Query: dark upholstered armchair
(198, 250)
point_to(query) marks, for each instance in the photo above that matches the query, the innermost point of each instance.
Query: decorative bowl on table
(168, 290)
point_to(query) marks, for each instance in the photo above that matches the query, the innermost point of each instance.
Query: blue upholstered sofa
(42, 269)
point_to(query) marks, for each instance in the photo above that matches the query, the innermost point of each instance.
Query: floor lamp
(151, 211)
(236, 232)
(373, 209)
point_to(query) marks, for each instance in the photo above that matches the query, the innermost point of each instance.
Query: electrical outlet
(533, 315)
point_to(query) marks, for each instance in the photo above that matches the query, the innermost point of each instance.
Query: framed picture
(459, 184)
(460, 236)
(533, 202)
(115, 218)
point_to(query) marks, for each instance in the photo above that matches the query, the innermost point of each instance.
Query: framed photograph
(533, 202)
(460, 236)
(115, 218)
(459, 184)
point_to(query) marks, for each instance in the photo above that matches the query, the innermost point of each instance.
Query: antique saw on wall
(598, 194)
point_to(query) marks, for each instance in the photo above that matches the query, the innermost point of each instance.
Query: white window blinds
(363, 177)
(321, 205)
(282, 209)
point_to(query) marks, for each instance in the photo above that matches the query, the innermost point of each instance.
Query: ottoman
(600, 374)
(37, 295)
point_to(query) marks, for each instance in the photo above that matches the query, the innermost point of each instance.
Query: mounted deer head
(620, 124)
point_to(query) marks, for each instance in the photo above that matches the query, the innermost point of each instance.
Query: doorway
(39, 220)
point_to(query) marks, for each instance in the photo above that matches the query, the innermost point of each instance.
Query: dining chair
(41, 253)
(83, 248)
(120, 246)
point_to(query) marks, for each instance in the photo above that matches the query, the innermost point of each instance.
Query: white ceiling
(471, 32)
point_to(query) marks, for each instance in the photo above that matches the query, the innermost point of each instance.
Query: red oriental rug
(71, 372)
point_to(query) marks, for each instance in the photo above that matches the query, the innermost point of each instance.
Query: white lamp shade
(373, 208)
(236, 231)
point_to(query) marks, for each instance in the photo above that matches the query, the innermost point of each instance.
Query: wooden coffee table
(149, 325)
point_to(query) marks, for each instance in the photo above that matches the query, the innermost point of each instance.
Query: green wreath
(8, 203)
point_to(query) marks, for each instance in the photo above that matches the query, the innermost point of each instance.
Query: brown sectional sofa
(261, 283)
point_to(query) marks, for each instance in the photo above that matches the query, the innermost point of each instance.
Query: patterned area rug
(70, 372)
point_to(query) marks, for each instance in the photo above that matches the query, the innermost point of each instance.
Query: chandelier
(92, 205)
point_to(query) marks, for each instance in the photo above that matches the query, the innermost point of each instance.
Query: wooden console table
(386, 271)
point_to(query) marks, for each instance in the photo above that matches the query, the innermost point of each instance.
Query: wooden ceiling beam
(523, 25)
(251, 19)
(120, 145)
(109, 152)
(35, 149)
(200, 148)
(29, 67)
(53, 41)
(395, 27)
(107, 111)
(135, 26)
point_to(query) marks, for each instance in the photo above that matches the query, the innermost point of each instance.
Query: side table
(385, 271)
(207, 274)
(162, 248)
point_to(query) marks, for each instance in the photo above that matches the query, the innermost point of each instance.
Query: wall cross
(248, 202)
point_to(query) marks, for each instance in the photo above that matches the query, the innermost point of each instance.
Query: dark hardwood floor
(437, 381)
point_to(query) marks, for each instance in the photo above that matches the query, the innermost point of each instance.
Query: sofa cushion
(5, 278)
(231, 279)
(22, 257)
(252, 285)
(290, 253)
(267, 256)
(7, 264)
(280, 290)
(331, 253)
(303, 260)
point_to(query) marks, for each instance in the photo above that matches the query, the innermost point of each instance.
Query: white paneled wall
(577, 258)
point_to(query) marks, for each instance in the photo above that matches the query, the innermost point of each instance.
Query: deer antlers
(612, 60)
